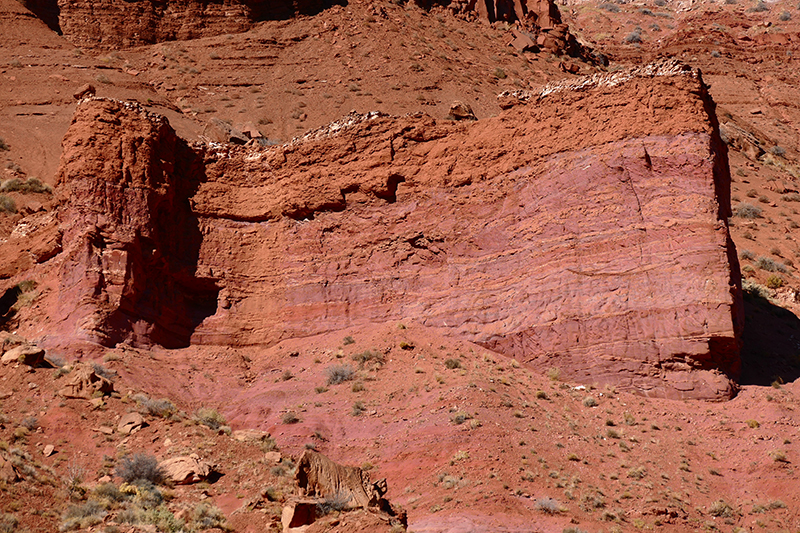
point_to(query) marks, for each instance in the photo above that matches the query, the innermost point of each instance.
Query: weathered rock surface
(120, 23)
(567, 232)
(186, 469)
(83, 382)
(318, 476)
(129, 23)
(322, 482)
(28, 354)
(130, 422)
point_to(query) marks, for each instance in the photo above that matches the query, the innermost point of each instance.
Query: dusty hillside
(469, 439)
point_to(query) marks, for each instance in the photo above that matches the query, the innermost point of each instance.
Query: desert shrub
(339, 374)
(721, 509)
(163, 519)
(645, 11)
(31, 185)
(637, 473)
(210, 417)
(547, 505)
(745, 210)
(760, 7)
(770, 265)
(162, 408)
(791, 197)
(784, 16)
(633, 37)
(82, 516)
(541, 395)
(499, 73)
(287, 375)
(368, 356)
(747, 254)
(755, 290)
(4, 147)
(335, 502)
(348, 340)
(459, 418)
(208, 516)
(774, 282)
(8, 522)
(452, 364)
(358, 409)
(108, 493)
(779, 456)
(30, 423)
(104, 372)
(777, 150)
(611, 8)
(7, 204)
(589, 401)
(731, 2)
(290, 417)
(139, 466)
(357, 387)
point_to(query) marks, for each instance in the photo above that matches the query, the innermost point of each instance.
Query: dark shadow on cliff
(261, 10)
(47, 11)
(170, 300)
(771, 342)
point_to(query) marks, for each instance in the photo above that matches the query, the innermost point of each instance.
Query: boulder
(7, 472)
(461, 111)
(84, 91)
(186, 469)
(83, 382)
(130, 422)
(27, 354)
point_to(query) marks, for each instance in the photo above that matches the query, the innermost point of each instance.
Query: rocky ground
(468, 439)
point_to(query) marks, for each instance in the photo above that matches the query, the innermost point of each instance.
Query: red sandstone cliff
(562, 232)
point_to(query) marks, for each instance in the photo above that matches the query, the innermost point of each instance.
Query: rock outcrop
(584, 231)
(186, 469)
(324, 486)
(122, 23)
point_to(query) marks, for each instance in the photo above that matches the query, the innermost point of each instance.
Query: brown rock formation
(568, 233)
(320, 477)
(131, 239)
(121, 23)
(83, 382)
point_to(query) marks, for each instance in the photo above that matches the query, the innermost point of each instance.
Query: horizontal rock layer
(585, 231)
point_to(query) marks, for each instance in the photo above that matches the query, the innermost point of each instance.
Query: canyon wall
(584, 231)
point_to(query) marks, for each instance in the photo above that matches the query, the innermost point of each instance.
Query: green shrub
(208, 516)
(82, 516)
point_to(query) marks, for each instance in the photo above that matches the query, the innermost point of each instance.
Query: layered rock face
(126, 23)
(130, 240)
(122, 23)
(568, 232)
